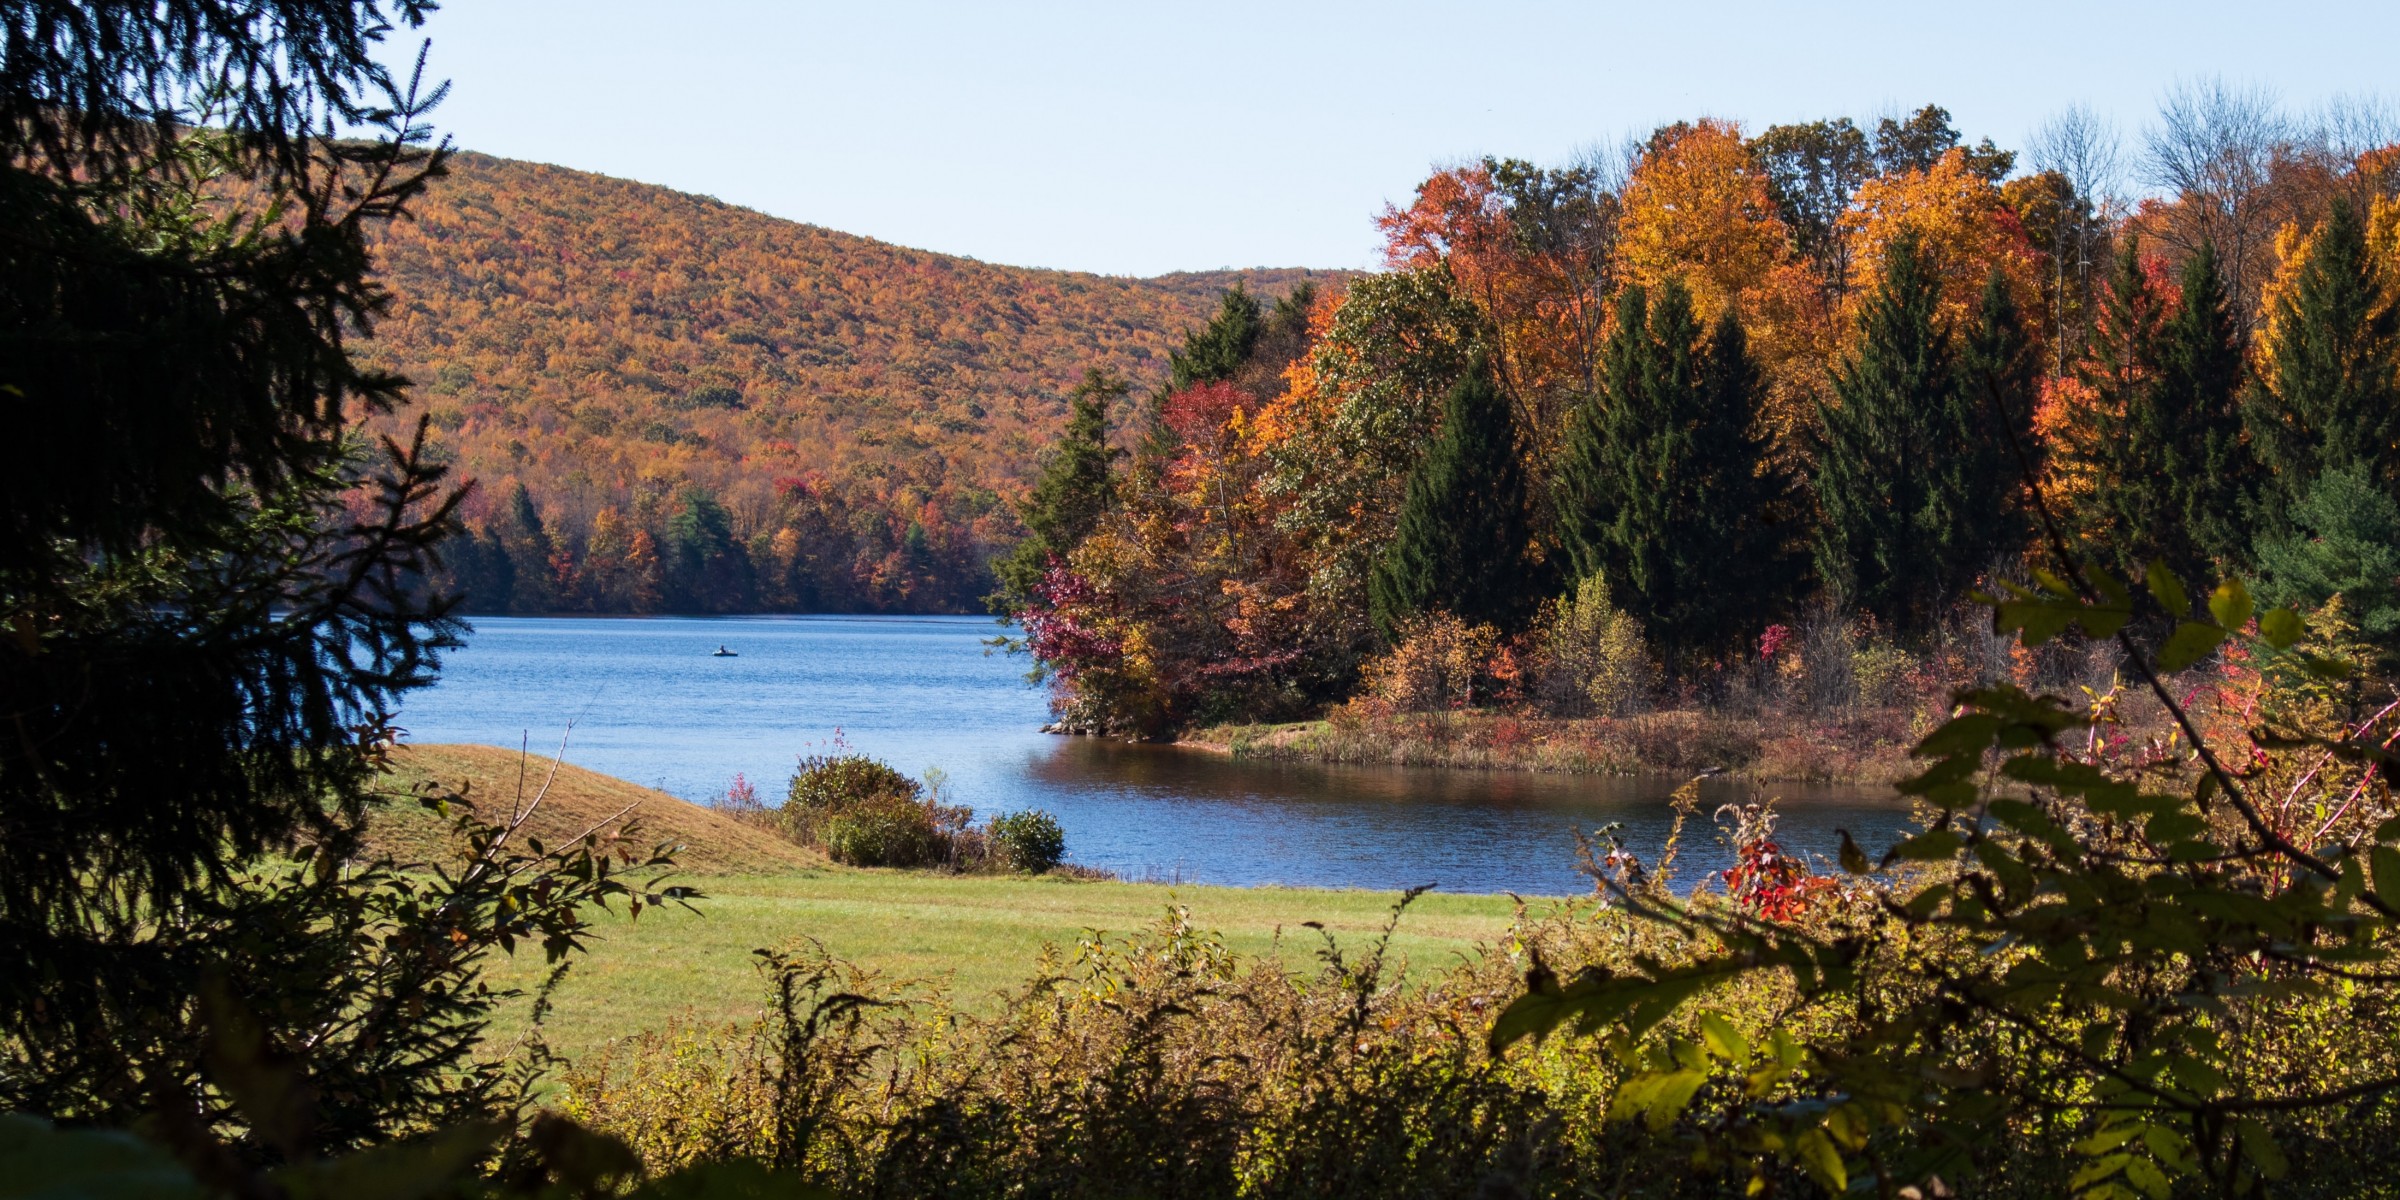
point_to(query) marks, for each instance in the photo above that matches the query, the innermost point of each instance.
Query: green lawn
(978, 933)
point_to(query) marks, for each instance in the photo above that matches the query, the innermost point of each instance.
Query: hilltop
(617, 346)
(496, 782)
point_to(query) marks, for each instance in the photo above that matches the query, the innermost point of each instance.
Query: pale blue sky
(1141, 137)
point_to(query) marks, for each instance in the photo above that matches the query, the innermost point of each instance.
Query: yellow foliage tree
(1697, 209)
(1963, 226)
(2293, 245)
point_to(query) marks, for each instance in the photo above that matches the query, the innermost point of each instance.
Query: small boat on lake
(722, 652)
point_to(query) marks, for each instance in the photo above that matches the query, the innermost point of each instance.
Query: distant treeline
(815, 549)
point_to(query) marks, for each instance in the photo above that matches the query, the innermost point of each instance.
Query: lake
(646, 701)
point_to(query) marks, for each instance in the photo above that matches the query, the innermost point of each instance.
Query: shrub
(826, 782)
(1589, 657)
(885, 831)
(1882, 671)
(1028, 841)
(1441, 663)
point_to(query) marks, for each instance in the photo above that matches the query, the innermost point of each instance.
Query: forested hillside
(674, 404)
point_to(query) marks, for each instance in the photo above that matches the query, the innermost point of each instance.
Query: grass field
(978, 934)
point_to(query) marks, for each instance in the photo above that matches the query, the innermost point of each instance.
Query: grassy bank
(1868, 747)
(977, 934)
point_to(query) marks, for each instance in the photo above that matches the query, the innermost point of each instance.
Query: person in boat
(722, 652)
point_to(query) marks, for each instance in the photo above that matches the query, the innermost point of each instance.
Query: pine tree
(1071, 496)
(2332, 391)
(526, 542)
(1663, 487)
(1740, 556)
(1215, 351)
(1212, 353)
(1987, 422)
(1460, 544)
(2202, 372)
(1910, 476)
(1587, 489)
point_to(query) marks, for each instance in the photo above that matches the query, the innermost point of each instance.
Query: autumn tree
(1532, 248)
(1812, 172)
(1340, 443)
(1698, 208)
(1960, 226)
(1459, 547)
(1925, 137)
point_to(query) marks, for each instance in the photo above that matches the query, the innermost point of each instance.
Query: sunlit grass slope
(976, 934)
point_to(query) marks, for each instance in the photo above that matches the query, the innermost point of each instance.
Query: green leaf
(2107, 1139)
(2098, 1170)
(738, 1180)
(2230, 604)
(1724, 1040)
(2385, 862)
(2191, 642)
(2333, 669)
(1822, 1159)
(2166, 589)
(2144, 1174)
(1930, 846)
(2281, 627)
(435, 1164)
(2258, 1145)
(1673, 1092)
(2174, 827)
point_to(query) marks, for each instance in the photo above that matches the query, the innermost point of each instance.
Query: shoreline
(1869, 748)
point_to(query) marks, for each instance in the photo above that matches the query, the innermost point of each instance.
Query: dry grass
(495, 781)
(1866, 748)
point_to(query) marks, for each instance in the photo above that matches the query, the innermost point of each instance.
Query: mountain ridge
(612, 346)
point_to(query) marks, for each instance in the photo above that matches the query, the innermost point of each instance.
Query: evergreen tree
(1460, 544)
(707, 569)
(1212, 353)
(1216, 350)
(1664, 489)
(219, 600)
(1977, 493)
(2332, 397)
(1910, 476)
(1586, 489)
(2343, 540)
(2202, 371)
(1071, 496)
(525, 541)
(2178, 473)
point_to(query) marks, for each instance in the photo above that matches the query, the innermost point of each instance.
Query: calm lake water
(646, 701)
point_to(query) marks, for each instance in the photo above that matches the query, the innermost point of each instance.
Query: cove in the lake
(650, 702)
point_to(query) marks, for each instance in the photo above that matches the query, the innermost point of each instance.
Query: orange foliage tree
(1698, 209)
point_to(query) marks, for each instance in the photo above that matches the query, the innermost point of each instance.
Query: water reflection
(1168, 812)
(650, 704)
